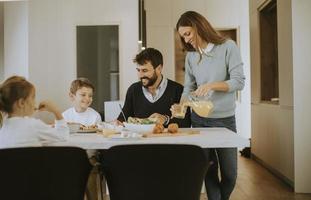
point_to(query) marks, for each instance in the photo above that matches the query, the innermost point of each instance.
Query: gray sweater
(222, 63)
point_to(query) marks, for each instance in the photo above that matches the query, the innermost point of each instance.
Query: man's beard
(151, 81)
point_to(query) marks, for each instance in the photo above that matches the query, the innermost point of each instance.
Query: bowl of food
(140, 124)
(138, 127)
(109, 125)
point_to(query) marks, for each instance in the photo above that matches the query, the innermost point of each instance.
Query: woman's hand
(178, 110)
(206, 88)
(50, 107)
(174, 109)
(203, 90)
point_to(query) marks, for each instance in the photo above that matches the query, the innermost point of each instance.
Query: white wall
(16, 39)
(52, 41)
(162, 16)
(1, 42)
(302, 96)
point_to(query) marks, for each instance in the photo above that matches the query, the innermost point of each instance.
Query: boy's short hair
(79, 83)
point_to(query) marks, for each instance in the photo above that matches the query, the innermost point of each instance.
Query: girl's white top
(30, 132)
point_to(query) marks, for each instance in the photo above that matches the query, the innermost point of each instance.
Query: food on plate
(91, 127)
(172, 128)
(158, 128)
(136, 120)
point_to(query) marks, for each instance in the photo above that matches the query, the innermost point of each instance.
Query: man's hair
(79, 83)
(151, 55)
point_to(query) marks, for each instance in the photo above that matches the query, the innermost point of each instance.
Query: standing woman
(213, 67)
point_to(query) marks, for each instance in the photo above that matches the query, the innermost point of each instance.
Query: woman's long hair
(202, 28)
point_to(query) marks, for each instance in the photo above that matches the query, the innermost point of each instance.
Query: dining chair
(49, 173)
(154, 171)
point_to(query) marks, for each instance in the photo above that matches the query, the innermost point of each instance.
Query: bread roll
(158, 128)
(172, 128)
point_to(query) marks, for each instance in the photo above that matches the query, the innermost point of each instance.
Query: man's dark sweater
(136, 104)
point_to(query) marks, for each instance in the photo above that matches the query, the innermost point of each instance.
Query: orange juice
(202, 108)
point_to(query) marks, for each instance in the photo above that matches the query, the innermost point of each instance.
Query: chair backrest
(45, 173)
(154, 172)
(112, 110)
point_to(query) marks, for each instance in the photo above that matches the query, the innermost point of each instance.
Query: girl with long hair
(19, 129)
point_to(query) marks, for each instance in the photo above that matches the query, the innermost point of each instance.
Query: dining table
(203, 137)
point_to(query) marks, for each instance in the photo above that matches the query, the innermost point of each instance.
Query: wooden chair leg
(102, 184)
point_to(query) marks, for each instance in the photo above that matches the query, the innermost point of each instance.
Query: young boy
(81, 96)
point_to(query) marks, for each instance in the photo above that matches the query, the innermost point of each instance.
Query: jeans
(225, 158)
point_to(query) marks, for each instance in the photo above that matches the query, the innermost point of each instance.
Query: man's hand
(118, 123)
(161, 119)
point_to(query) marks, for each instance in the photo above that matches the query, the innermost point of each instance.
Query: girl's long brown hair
(201, 26)
(13, 89)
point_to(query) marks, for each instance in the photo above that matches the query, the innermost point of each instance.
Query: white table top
(208, 138)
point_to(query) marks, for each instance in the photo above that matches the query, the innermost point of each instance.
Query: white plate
(139, 127)
(121, 137)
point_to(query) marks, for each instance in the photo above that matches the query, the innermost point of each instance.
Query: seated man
(154, 94)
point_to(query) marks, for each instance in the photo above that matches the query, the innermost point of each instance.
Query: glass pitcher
(202, 106)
